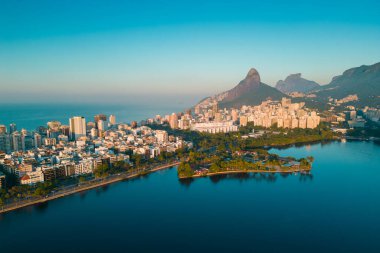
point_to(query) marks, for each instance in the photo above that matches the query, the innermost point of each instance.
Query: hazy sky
(115, 50)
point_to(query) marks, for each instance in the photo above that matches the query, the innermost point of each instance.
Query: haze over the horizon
(108, 50)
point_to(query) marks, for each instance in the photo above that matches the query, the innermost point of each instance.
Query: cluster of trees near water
(139, 161)
(105, 170)
(219, 161)
(18, 192)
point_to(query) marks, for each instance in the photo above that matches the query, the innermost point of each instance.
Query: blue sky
(115, 50)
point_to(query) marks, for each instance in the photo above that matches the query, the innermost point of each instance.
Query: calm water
(335, 210)
(34, 115)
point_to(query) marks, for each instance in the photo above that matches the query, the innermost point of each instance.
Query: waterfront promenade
(88, 185)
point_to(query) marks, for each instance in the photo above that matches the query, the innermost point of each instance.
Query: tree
(184, 170)
(221, 148)
(304, 162)
(39, 192)
(137, 160)
(161, 157)
(44, 188)
(102, 170)
(310, 158)
(214, 168)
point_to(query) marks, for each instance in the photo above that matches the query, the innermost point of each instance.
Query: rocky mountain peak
(293, 76)
(253, 75)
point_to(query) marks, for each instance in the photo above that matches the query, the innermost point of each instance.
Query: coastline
(85, 187)
(246, 172)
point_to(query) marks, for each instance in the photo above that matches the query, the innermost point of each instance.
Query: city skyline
(91, 50)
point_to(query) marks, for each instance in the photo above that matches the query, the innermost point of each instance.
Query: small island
(254, 161)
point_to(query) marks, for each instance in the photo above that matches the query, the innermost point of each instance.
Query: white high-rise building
(162, 136)
(112, 120)
(37, 140)
(173, 122)
(16, 141)
(102, 127)
(94, 133)
(77, 127)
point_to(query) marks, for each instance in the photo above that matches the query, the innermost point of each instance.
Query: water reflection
(82, 195)
(102, 189)
(257, 177)
(143, 176)
(307, 144)
(241, 177)
(41, 207)
(186, 182)
(137, 178)
(306, 177)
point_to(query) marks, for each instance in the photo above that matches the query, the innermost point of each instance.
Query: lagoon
(336, 209)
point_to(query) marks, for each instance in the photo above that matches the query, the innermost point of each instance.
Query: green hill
(363, 81)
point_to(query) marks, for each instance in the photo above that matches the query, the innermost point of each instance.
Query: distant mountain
(294, 83)
(250, 91)
(363, 81)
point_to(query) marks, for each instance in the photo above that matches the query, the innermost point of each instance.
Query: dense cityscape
(58, 151)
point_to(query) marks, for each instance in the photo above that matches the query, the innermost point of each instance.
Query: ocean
(30, 116)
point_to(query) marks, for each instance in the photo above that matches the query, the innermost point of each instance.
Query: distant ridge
(364, 81)
(295, 83)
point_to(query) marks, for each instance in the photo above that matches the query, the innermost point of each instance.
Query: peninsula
(255, 161)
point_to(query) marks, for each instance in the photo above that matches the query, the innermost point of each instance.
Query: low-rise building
(215, 127)
(33, 177)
